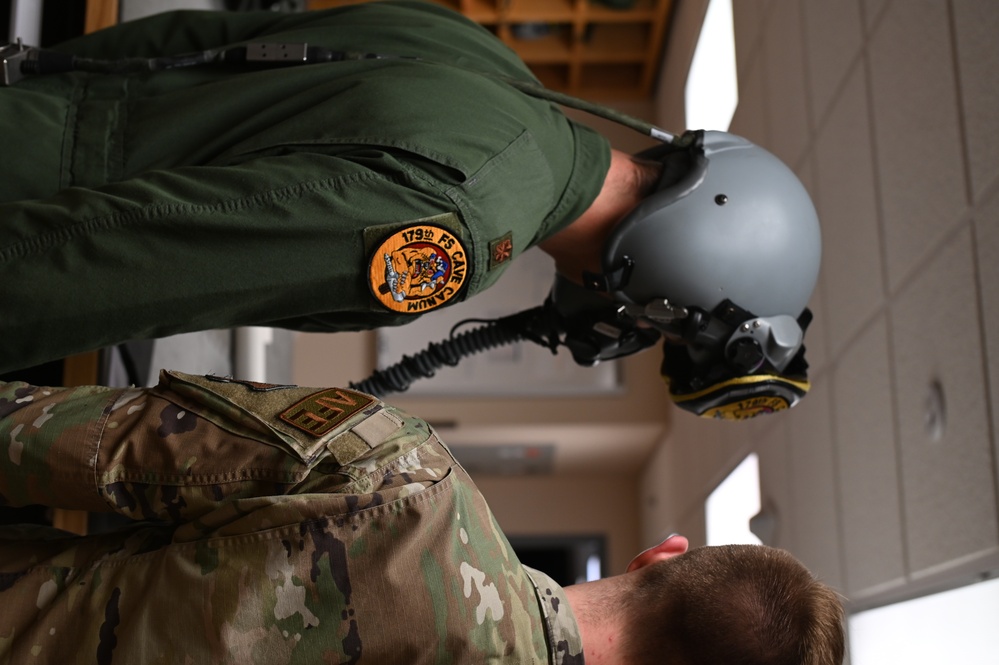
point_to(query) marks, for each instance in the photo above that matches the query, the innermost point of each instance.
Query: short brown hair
(737, 605)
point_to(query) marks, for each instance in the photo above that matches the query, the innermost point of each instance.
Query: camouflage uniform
(278, 525)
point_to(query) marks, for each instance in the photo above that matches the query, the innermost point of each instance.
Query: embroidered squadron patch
(320, 412)
(500, 250)
(418, 268)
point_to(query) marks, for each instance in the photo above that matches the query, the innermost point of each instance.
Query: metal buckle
(11, 56)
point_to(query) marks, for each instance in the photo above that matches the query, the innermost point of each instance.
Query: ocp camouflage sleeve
(181, 449)
(278, 524)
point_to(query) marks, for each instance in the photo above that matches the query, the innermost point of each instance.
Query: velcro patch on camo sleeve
(305, 420)
(320, 413)
(419, 267)
(324, 411)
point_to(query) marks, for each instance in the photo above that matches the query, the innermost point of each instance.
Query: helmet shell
(748, 232)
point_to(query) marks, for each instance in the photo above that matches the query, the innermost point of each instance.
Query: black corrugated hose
(535, 325)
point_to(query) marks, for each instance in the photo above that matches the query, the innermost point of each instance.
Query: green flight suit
(280, 525)
(142, 205)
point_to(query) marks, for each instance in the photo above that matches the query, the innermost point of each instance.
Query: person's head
(721, 258)
(577, 248)
(733, 604)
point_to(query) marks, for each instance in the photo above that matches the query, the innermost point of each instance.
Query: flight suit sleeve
(181, 450)
(196, 248)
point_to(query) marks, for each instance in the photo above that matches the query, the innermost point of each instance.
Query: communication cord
(533, 325)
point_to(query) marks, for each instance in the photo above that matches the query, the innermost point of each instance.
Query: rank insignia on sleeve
(417, 268)
(500, 250)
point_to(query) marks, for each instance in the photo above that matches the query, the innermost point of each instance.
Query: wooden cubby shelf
(580, 47)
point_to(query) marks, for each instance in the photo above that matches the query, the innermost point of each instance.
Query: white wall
(592, 504)
(887, 109)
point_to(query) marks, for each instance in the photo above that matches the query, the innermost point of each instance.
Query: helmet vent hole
(721, 199)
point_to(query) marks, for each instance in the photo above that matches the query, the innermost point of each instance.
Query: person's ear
(674, 545)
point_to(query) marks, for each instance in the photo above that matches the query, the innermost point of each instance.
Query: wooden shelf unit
(579, 47)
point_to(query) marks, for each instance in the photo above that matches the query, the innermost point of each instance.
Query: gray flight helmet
(739, 226)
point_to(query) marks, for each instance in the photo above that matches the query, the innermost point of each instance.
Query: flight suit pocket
(504, 204)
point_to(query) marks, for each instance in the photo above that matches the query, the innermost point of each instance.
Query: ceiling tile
(851, 246)
(976, 26)
(919, 156)
(866, 464)
(946, 453)
(833, 39)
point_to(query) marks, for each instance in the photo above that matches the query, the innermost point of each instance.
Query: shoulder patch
(321, 412)
(500, 250)
(417, 268)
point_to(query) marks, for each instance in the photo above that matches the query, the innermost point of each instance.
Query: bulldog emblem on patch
(418, 268)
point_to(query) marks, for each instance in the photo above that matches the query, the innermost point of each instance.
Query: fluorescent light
(712, 90)
(592, 568)
(733, 503)
(26, 22)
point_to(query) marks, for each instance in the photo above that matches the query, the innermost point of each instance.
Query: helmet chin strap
(594, 327)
